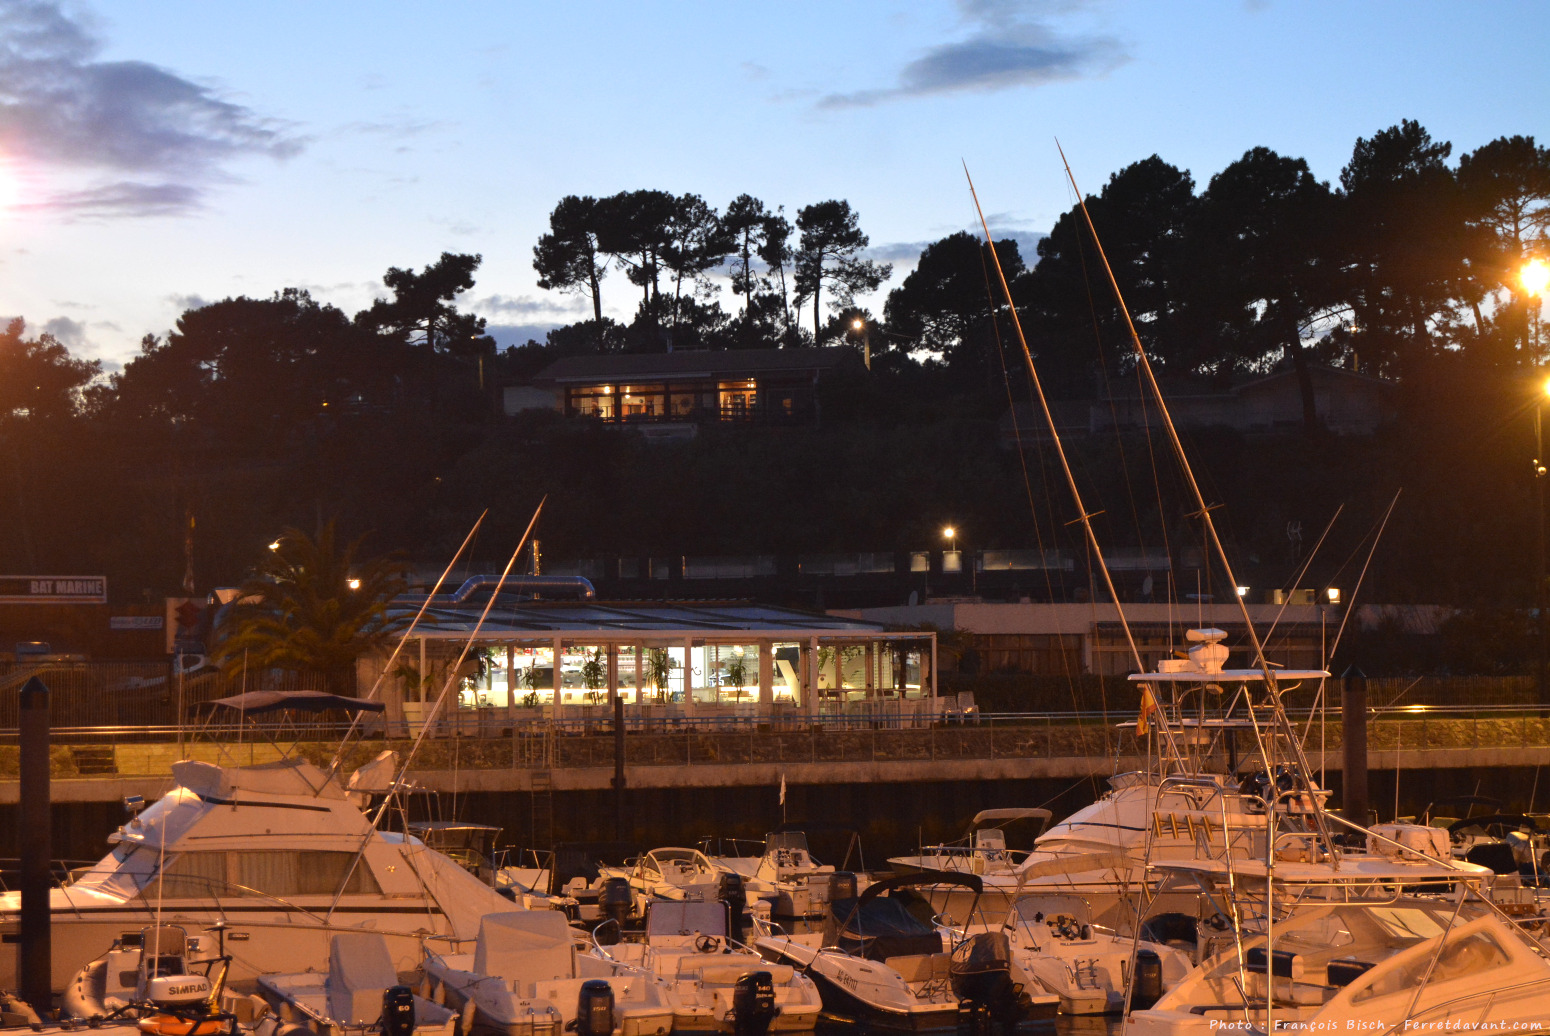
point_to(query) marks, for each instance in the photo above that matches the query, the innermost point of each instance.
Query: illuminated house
(686, 388)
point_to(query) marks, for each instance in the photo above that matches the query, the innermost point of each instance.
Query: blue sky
(155, 155)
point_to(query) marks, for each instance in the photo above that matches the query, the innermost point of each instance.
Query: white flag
(782, 789)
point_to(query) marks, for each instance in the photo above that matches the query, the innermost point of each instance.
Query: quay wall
(897, 787)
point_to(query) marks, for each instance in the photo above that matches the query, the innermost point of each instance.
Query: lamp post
(1535, 277)
(859, 326)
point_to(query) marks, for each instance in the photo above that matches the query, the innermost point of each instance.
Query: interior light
(1333, 593)
(1243, 591)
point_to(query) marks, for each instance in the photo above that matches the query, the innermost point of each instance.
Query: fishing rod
(1084, 516)
(430, 720)
(387, 667)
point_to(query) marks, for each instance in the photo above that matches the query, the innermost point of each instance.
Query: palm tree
(313, 607)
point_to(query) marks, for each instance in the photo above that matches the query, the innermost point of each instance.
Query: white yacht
(1347, 948)
(1191, 804)
(275, 853)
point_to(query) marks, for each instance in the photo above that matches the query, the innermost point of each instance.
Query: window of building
(637, 402)
(737, 398)
(595, 401)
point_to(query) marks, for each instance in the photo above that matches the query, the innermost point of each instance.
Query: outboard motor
(616, 899)
(842, 885)
(981, 975)
(1147, 988)
(753, 1004)
(398, 1011)
(731, 891)
(595, 1009)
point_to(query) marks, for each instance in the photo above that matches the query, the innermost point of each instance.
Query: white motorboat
(880, 965)
(672, 872)
(1193, 804)
(525, 976)
(1056, 945)
(1351, 950)
(983, 848)
(714, 983)
(358, 994)
(785, 875)
(278, 856)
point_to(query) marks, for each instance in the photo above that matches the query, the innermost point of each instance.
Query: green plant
(530, 700)
(737, 672)
(594, 671)
(660, 666)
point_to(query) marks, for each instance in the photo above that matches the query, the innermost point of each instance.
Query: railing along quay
(149, 750)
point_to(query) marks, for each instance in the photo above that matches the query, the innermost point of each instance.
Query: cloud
(518, 334)
(158, 137)
(1006, 47)
(184, 303)
(563, 308)
(125, 198)
(896, 251)
(69, 333)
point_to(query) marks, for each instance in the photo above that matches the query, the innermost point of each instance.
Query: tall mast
(1085, 516)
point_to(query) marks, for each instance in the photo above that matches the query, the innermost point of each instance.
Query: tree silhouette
(828, 254)
(39, 379)
(299, 611)
(421, 310)
(568, 258)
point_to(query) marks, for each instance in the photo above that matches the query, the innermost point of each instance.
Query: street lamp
(1535, 278)
(1541, 597)
(859, 326)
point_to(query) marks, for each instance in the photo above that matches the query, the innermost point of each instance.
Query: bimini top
(1204, 664)
(299, 701)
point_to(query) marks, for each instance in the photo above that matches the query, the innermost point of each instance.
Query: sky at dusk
(157, 155)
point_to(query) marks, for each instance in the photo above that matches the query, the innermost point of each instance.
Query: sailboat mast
(1084, 515)
(1282, 723)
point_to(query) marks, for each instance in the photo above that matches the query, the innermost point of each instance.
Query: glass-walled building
(569, 660)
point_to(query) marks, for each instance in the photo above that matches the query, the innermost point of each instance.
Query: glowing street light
(353, 584)
(275, 545)
(1535, 277)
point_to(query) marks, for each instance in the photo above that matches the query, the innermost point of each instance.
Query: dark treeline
(256, 414)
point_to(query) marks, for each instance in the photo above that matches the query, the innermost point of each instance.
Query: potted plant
(660, 666)
(594, 672)
(737, 672)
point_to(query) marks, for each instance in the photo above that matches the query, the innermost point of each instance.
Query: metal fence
(119, 694)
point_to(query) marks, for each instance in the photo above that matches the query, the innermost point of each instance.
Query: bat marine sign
(53, 590)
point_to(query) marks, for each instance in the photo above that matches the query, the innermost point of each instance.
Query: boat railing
(1434, 1016)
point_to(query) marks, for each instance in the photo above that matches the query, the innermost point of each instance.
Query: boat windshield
(785, 840)
(1407, 924)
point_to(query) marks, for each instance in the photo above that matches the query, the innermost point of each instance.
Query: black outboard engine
(731, 891)
(398, 1011)
(981, 974)
(616, 900)
(753, 1004)
(1147, 988)
(595, 1009)
(842, 885)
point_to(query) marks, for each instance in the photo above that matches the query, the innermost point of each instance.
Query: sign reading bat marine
(53, 590)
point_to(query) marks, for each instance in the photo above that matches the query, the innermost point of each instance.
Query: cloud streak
(1005, 48)
(153, 139)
